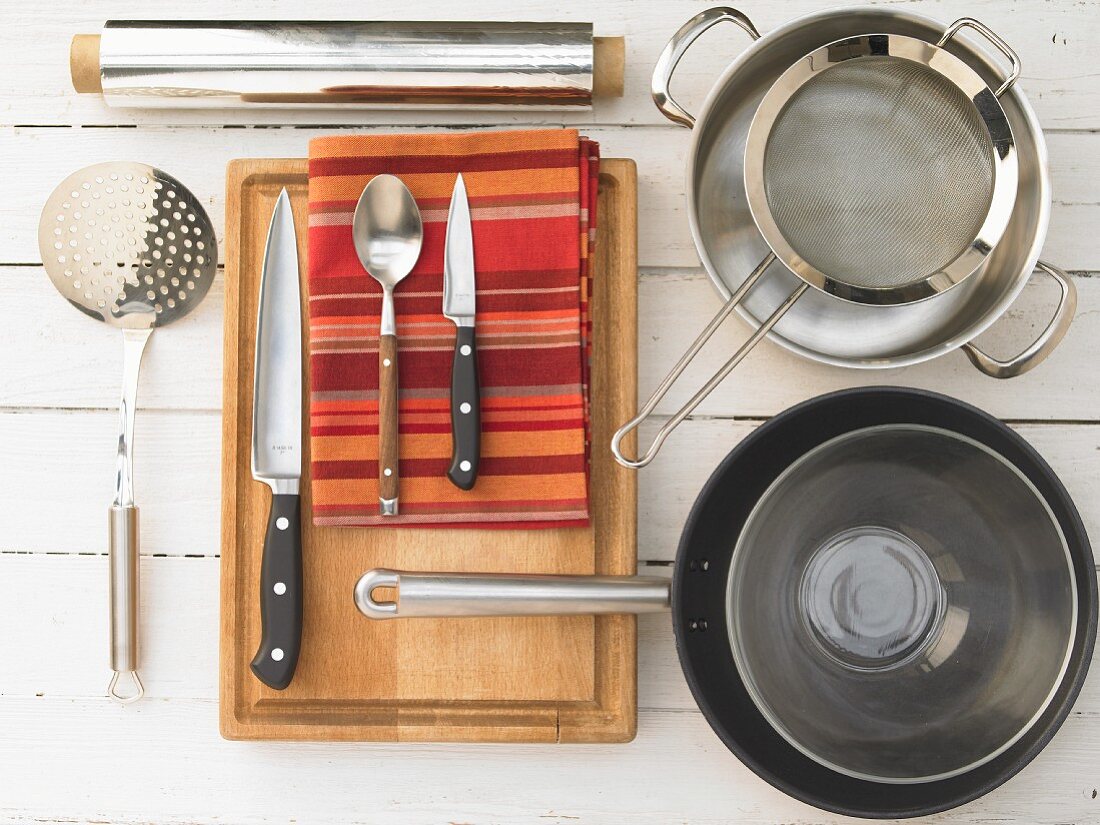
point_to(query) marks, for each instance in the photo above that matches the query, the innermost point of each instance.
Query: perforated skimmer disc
(128, 244)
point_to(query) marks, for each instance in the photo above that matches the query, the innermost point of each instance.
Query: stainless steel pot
(820, 326)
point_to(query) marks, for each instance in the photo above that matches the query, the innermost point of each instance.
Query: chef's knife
(458, 305)
(277, 449)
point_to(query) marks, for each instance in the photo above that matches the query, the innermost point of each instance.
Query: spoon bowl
(387, 230)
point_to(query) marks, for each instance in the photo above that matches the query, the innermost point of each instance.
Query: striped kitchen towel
(532, 199)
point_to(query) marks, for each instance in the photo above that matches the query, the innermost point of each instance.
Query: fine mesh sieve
(861, 162)
(880, 169)
(128, 245)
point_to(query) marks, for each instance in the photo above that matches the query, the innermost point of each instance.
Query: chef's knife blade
(459, 306)
(277, 449)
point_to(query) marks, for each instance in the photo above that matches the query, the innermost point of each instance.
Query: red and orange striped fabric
(532, 200)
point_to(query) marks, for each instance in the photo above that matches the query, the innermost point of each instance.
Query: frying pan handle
(1042, 346)
(670, 57)
(715, 380)
(442, 595)
(992, 37)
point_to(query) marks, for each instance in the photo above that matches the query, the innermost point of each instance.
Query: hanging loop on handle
(716, 379)
(1042, 346)
(125, 698)
(992, 37)
(677, 46)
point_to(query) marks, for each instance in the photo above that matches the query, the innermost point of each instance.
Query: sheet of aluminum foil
(240, 64)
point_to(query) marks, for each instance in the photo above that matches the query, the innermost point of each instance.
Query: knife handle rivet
(386, 362)
(277, 654)
(465, 407)
(282, 522)
(279, 588)
(465, 349)
(387, 472)
(464, 466)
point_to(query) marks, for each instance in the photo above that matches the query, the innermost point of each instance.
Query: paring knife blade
(459, 306)
(277, 449)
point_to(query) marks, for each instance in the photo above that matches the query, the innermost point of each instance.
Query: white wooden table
(67, 754)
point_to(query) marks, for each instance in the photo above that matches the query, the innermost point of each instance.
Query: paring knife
(459, 306)
(277, 449)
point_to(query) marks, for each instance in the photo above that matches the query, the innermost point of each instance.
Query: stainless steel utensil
(277, 449)
(815, 322)
(128, 245)
(459, 305)
(388, 235)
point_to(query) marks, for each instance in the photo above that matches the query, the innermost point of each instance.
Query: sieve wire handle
(1042, 346)
(715, 380)
(677, 46)
(992, 37)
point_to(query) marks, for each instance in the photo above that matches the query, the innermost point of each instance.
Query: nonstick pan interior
(699, 599)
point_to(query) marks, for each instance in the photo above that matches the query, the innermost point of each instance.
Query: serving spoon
(388, 235)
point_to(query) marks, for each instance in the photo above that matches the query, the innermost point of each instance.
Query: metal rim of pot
(699, 598)
(1030, 357)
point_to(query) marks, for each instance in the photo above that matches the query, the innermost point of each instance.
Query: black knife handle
(465, 411)
(280, 594)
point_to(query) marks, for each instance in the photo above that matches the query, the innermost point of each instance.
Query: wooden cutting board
(550, 679)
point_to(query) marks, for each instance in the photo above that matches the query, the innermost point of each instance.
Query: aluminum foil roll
(222, 64)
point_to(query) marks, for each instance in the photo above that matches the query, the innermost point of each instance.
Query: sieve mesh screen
(879, 172)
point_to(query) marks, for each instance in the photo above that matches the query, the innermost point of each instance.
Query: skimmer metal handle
(677, 46)
(992, 37)
(715, 380)
(441, 595)
(1042, 346)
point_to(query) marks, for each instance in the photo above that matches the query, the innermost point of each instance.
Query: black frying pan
(699, 598)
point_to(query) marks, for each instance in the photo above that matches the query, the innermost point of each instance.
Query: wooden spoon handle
(388, 452)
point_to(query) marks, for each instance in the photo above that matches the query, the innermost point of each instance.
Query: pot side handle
(1042, 346)
(677, 46)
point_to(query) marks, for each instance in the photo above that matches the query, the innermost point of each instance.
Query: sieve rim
(956, 72)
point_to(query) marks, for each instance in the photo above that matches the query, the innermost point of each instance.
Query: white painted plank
(179, 633)
(62, 476)
(161, 761)
(60, 466)
(56, 724)
(673, 309)
(52, 717)
(57, 357)
(39, 159)
(1056, 43)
